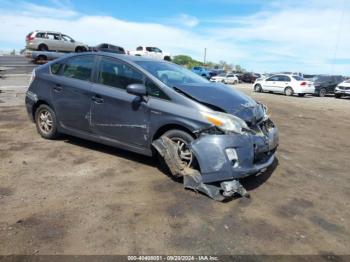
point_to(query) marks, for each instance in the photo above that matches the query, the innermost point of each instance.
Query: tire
(182, 137)
(235, 82)
(223, 81)
(288, 91)
(322, 92)
(258, 88)
(46, 122)
(337, 95)
(80, 49)
(301, 95)
(43, 47)
(41, 59)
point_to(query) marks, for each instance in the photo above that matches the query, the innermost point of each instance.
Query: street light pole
(205, 55)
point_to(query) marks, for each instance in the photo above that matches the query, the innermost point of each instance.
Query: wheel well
(36, 105)
(166, 128)
(42, 44)
(289, 87)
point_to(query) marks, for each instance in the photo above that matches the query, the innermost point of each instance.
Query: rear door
(53, 41)
(71, 92)
(282, 83)
(116, 114)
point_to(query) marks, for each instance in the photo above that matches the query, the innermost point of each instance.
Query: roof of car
(119, 56)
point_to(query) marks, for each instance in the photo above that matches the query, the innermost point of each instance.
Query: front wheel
(182, 140)
(288, 91)
(258, 88)
(46, 122)
(322, 92)
(337, 95)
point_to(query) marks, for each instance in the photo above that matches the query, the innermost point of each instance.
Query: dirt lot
(72, 196)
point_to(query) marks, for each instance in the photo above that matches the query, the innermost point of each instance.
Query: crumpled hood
(226, 98)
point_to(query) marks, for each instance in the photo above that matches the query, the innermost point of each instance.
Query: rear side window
(139, 48)
(79, 67)
(116, 74)
(40, 35)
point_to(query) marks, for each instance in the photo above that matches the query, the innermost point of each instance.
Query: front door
(71, 92)
(270, 83)
(116, 114)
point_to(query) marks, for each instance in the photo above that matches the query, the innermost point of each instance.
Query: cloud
(187, 20)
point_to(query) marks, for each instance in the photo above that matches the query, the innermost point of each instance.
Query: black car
(249, 77)
(109, 48)
(325, 84)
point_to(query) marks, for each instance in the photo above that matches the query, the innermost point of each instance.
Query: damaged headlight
(226, 122)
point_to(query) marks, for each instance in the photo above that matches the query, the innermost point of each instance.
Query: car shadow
(253, 182)
(150, 161)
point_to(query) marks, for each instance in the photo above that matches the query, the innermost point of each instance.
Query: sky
(260, 35)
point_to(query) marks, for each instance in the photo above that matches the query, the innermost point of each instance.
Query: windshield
(320, 78)
(171, 74)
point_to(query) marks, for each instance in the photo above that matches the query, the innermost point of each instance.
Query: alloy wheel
(183, 151)
(45, 121)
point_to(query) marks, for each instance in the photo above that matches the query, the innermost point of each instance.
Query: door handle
(58, 88)
(97, 99)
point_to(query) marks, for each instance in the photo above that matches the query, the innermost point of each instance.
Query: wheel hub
(183, 151)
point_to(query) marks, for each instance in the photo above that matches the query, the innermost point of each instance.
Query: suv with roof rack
(53, 41)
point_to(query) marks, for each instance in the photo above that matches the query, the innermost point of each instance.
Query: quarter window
(154, 90)
(79, 67)
(55, 68)
(116, 74)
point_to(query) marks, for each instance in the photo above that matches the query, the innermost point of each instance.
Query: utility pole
(205, 55)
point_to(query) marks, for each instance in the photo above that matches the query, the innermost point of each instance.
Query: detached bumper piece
(192, 178)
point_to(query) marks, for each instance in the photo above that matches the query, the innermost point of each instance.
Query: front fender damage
(192, 178)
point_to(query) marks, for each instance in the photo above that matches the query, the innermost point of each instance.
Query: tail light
(30, 38)
(303, 83)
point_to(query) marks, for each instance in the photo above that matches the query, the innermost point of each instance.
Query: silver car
(53, 41)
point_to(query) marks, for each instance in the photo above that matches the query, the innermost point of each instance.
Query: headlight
(226, 122)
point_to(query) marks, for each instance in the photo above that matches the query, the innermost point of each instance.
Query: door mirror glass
(136, 89)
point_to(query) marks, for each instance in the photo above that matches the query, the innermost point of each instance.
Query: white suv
(53, 41)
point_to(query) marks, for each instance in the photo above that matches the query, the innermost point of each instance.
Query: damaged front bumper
(223, 159)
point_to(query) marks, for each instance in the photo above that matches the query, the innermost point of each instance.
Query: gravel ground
(72, 196)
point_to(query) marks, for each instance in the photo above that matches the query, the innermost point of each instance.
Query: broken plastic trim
(192, 178)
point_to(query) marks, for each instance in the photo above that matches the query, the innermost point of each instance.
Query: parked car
(325, 84)
(287, 84)
(342, 89)
(225, 78)
(151, 52)
(122, 101)
(202, 71)
(42, 57)
(249, 77)
(53, 41)
(109, 48)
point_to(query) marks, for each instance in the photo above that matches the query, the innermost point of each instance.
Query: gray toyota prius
(208, 133)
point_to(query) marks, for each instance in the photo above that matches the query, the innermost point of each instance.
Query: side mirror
(136, 89)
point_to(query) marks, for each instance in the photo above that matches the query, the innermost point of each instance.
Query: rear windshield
(298, 78)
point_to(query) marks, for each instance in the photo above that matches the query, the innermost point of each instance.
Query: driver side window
(116, 74)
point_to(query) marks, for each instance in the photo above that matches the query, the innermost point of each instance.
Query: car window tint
(149, 49)
(116, 74)
(79, 67)
(139, 48)
(284, 78)
(154, 90)
(55, 68)
(40, 35)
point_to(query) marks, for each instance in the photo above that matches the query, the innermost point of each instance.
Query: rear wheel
(288, 91)
(46, 122)
(43, 47)
(182, 140)
(322, 92)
